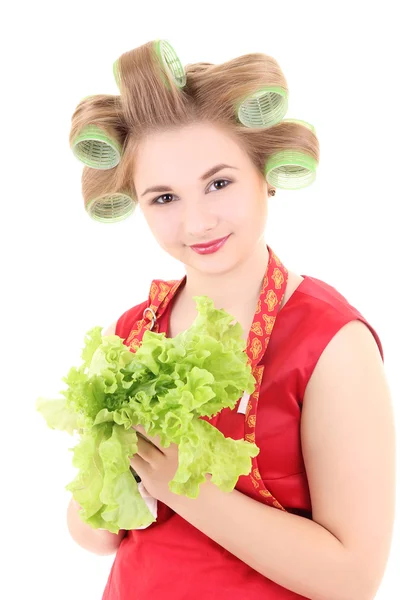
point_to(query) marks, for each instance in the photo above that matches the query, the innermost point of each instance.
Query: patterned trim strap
(160, 294)
(271, 297)
(249, 436)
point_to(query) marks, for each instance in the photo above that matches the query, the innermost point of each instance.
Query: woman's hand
(155, 465)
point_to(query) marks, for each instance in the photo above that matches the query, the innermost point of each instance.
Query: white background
(62, 273)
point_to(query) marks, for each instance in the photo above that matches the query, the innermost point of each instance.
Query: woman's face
(190, 206)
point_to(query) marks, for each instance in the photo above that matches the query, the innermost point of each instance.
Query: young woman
(200, 151)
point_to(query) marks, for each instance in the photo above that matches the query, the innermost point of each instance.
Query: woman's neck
(236, 291)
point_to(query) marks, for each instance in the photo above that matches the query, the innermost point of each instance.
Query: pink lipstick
(210, 247)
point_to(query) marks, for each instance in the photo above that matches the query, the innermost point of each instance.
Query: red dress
(171, 559)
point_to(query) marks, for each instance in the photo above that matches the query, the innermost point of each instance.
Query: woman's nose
(199, 218)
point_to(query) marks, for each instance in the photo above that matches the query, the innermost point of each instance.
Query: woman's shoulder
(314, 314)
(315, 297)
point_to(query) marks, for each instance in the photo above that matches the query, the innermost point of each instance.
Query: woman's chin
(211, 263)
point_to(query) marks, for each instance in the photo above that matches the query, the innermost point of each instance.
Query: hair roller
(97, 134)
(171, 62)
(150, 79)
(291, 169)
(286, 154)
(250, 89)
(263, 108)
(168, 61)
(105, 206)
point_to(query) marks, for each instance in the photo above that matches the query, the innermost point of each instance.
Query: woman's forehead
(193, 143)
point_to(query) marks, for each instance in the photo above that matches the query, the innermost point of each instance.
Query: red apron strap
(269, 303)
(161, 292)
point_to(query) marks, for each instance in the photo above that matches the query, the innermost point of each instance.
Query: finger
(139, 465)
(148, 451)
(140, 429)
(155, 441)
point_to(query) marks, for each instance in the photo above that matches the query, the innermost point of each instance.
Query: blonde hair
(150, 100)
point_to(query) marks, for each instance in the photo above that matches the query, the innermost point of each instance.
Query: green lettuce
(167, 385)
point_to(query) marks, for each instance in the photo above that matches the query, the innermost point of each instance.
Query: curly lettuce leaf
(205, 450)
(124, 506)
(57, 415)
(104, 485)
(93, 340)
(166, 386)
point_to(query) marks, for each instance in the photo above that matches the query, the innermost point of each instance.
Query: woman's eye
(224, 181)
(155, 201)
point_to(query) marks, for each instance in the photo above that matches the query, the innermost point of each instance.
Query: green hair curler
(96, 149)
(290, 170)
(169, 60)
(110, 208)
(264, 108)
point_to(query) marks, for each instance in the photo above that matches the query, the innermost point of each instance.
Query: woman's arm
(97, 541)
(348, 444)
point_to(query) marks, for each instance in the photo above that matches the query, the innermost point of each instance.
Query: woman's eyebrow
(214, 170)
(209, 173)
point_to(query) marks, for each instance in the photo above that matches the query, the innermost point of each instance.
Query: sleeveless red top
(171, 559)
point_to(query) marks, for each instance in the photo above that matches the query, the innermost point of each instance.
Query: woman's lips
(210, 247)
